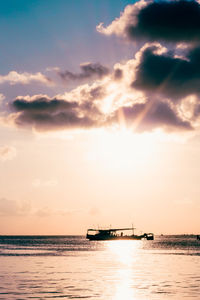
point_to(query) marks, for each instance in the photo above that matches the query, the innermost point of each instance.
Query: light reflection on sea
(74, 268)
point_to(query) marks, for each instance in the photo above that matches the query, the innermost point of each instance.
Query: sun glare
(122, 148)
(125, 254)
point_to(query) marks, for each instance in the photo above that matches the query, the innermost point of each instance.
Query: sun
(122, 148)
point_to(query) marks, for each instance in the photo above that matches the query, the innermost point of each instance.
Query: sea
(71, 267)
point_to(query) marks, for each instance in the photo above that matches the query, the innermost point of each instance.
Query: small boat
(116, 234)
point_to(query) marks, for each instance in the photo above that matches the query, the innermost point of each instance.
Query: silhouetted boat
(116, 234)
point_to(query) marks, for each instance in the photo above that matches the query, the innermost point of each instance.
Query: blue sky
(37, 34)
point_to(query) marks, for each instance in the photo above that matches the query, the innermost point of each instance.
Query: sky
(99, 116)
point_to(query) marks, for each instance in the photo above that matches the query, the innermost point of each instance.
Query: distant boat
(116, 234)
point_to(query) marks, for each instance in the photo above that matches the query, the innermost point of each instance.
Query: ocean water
(71, 267)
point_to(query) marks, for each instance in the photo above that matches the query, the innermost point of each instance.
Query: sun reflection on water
(125, 255)
(125, 252)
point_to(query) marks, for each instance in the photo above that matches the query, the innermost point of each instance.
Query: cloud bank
(158, 88)
(84, 107)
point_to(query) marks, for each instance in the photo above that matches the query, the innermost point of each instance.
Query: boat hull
(114, 238)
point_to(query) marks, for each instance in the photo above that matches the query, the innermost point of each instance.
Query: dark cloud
(88, 71)
(118, 74)
(46, 114)
(175, 21)
(170, 21)
(151, 115)
(157, 73)
(196, 111)
(167, 74)
(43, 104)
(52, 114)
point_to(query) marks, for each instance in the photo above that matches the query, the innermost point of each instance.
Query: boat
(110, 234)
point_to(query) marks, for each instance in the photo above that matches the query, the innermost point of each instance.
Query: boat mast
(133, 228)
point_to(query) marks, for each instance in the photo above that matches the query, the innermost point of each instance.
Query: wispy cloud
(2, 97)
(10, 208)
(7, 153)
(24, 78)
(13, 208)
(88, 71)
(44, 183)
(46, 212)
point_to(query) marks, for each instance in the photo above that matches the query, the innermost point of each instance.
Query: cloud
(147, 92)
(100, 104)
(2, 97)
(43, 212)
(184, 201)
(46, 212)
(12, 208)
(8, 207)
(151, 115)
(94, 211)
(7, 153)
(88, 70)
(14, 77)
(162, 72)
(171, 21)
(167, 78)
(44, 183)
(44, 113)
(119, 25)
(118, 74)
